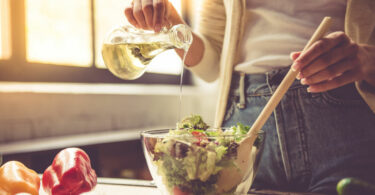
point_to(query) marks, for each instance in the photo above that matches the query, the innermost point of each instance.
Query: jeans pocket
(346, 95)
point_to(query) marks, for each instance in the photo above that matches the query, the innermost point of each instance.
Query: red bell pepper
(70, 173)
(17, 178)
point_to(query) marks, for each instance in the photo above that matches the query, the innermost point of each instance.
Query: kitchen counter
(110, 186)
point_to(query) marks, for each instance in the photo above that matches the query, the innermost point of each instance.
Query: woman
(323, 129)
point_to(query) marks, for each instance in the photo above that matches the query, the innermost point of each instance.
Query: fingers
(331, 72)
(129, 15)
(294, 55)
(148, 12)
(168, 8)
(138, 14)
(329, 63)
(159, 14)
(320, 47)
(345, 78)
(327, 59)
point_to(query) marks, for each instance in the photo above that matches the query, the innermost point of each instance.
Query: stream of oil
(129, 60)
(181, 83)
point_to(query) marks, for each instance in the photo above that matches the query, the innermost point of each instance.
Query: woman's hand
(152, 14)
(334, 61)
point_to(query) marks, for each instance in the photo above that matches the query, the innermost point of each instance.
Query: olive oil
(129, 60)
(127, 51)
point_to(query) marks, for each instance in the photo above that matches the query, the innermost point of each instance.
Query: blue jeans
(312, 139)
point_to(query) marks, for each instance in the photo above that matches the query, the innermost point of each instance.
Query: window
(58, 32)
(60, 41)
(4, 30)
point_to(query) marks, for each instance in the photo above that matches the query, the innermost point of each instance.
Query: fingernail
(299, 76)
(303, 81)
(291, 54)
(294, 67)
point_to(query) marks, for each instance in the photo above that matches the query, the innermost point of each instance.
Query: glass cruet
(127, 51)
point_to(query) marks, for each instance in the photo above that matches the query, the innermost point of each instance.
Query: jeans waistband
(265, 84)
(273, 77)
(259, 84)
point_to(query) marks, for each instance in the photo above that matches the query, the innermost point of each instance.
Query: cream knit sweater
(221, 28)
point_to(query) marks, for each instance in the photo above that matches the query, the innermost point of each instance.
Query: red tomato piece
(200, 136)
(178, 191)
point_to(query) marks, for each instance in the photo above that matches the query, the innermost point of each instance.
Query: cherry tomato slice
(200, 137)
(178, 191)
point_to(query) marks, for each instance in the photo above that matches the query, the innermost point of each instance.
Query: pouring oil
(185, 49)
(129, 60)
(127, 51)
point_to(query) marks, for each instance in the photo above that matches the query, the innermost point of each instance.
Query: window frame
(18, 69)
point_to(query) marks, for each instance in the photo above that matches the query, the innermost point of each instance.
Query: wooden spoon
(231, 177)
(287, 81)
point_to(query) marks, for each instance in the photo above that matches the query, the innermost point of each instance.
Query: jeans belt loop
(242, 103)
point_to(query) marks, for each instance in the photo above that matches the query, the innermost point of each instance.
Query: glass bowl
(200, 164)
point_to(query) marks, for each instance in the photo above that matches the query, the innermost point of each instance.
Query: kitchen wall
(40, 111)
(36, 110)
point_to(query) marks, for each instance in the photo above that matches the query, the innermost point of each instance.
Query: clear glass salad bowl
(193, 162)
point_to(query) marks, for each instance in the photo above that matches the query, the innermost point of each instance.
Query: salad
(192, 159)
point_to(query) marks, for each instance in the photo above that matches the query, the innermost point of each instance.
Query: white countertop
(108, 186)
(111, 186)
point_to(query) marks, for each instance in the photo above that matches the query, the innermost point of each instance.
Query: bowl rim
(161, 133)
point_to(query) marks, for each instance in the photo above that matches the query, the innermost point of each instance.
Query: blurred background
(55, 91)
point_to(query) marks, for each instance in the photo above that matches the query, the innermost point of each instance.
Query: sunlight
(5, 50)
(59, 32)
(108, 15)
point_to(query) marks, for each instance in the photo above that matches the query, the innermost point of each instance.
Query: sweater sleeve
(210, 29)
(360, 26)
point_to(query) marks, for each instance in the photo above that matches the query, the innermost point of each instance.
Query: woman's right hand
(155, 14)
(152, 14)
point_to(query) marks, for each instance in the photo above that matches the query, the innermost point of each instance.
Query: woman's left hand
(334, 61)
